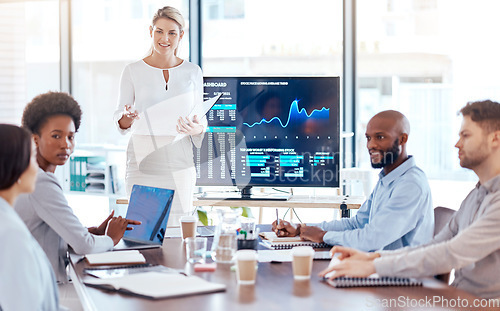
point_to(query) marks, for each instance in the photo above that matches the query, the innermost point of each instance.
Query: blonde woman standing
(156, 95)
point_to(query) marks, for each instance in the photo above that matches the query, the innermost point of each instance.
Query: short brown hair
(486, 113)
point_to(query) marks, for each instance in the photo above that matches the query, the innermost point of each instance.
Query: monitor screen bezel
(336, 81)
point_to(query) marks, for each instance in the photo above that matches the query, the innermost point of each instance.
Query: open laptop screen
(151, 206)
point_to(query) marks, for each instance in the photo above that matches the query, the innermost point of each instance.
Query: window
(106, 36)
(274, 38)
(279, 37)
(29, 54)
(426, 59)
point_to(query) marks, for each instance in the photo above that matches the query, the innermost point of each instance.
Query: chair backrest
(441, 217)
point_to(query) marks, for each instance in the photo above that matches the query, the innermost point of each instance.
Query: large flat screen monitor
(271, 132)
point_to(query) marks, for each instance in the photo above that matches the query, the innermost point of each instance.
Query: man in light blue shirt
(398, 212)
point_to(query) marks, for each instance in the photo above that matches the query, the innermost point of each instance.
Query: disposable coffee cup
(246, 266)
(188, 227)
(302, 262)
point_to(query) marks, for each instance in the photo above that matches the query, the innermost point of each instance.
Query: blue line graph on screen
(296, 115)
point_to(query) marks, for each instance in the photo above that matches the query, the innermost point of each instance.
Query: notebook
(151, 206)
(373, 280)
(112, 258)
(157, 285)
(272, 241)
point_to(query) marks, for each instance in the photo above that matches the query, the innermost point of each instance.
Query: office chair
(442, 216)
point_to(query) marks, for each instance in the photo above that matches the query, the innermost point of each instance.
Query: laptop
(151, 206)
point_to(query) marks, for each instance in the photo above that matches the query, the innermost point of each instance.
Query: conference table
(275, 289)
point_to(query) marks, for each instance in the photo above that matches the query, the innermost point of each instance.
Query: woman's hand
(101, 230)
(117, 227)
(129, 115)
(189, 127)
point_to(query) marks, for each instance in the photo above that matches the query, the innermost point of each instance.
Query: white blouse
(159, 105)
(143, 86)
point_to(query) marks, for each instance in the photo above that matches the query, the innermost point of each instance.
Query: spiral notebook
(373, 280)
(272, 241)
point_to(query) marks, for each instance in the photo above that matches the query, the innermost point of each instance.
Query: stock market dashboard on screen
(271, 132)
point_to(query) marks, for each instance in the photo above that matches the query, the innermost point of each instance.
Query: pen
(277, 218)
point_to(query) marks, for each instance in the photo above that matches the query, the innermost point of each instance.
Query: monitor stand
(245, 193)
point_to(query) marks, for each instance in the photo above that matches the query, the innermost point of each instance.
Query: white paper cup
(302, 262)
(246, 266)
(188, 226)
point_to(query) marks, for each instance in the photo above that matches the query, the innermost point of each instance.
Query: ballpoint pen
(277, 218)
